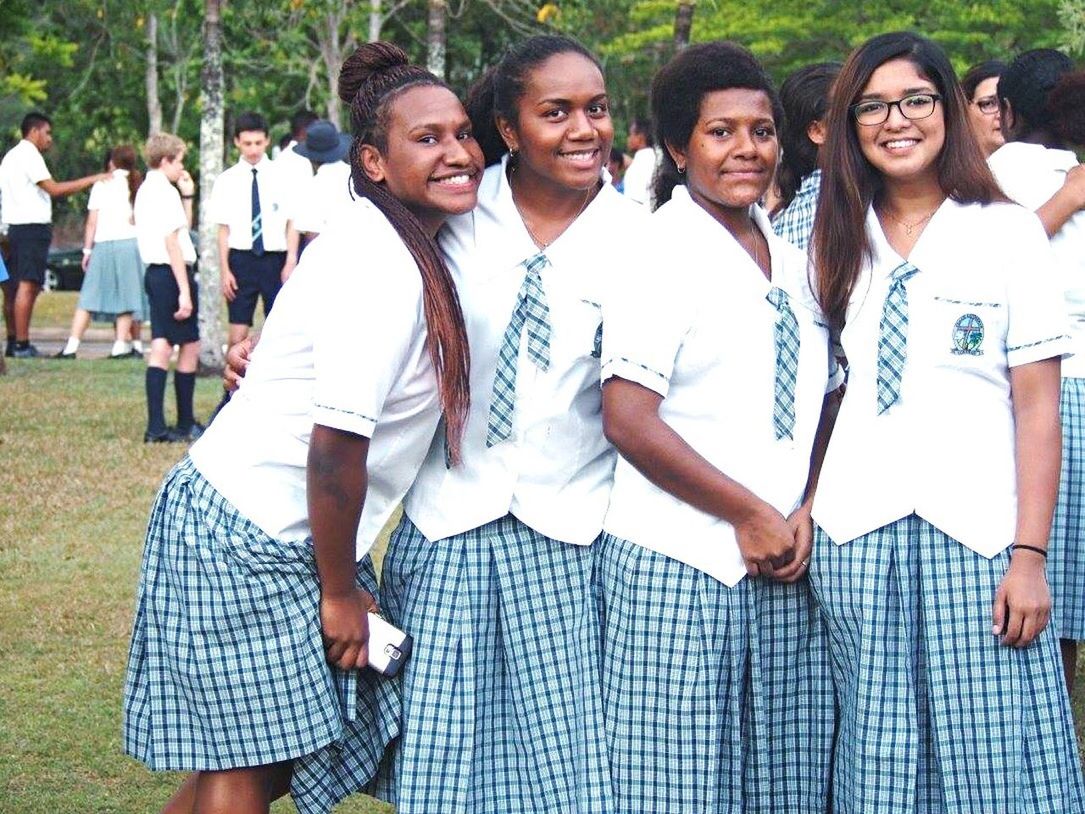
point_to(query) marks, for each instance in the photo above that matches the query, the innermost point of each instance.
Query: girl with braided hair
(250, 636)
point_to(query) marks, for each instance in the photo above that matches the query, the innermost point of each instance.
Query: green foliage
(1072, 18)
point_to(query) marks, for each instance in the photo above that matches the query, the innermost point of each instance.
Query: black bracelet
(1022, 547)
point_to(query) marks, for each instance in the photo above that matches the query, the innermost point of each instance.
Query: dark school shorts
(256, 277)
(29, 251)
(162, 294)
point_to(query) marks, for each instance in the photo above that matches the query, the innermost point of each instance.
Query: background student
(980, 86)
(113, 283)
(1042, 100)
(26, 206)
(249, 202)
(163, 219)
(250, 638)
(934, 504)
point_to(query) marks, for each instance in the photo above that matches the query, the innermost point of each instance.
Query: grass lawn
(78, 483)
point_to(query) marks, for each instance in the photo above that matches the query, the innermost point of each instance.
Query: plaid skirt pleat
(226, 667)
(717, 700)
(1066, 554)
(936, 716)
(501, 705)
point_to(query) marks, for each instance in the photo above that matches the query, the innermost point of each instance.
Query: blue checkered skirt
(227, 668)
(501, 706)
(935, 714)
(1066, 554)
(718, 700)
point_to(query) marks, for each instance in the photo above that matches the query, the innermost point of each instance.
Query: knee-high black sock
(155, 383)
(184, 385)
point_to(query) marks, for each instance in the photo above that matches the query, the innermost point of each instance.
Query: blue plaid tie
(787, 364)
(532, 312)
(257, 219)
(893, 337)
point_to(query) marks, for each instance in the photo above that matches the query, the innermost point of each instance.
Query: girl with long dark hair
(934, 504)
(251, 625)
(491, 568)
(716, 680)
(1042, 102)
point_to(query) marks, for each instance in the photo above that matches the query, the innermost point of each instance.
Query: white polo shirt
(1031, 174)
(987, 298)
(637, 181)
(345, 348)
(555, 472)
(231, 204)
(321, 196)
(110, 200)
(22, 201)
(159, 213)
(695, 327)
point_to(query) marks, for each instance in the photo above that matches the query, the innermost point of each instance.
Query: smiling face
(563, 132)
(731, 155)
(431, 161)
(987, 127)
(252, 144)
(902, 150)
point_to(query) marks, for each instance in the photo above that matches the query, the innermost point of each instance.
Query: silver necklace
(544, 245)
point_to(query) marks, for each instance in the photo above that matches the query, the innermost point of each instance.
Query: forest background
(112, 71)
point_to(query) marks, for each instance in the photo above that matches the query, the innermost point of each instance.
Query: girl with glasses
(980, 85)
(934, 504)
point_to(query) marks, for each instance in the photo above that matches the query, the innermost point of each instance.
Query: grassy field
(77, 483)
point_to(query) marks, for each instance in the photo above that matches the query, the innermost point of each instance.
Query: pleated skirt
(226, 667)
(717, 700)
(1066, 553)
(501, 703)
(113, 283)
(936, 716)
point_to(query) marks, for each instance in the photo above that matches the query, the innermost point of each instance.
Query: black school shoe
(29, 352)
(60, 354)
(9, 349)
(168, 436)
(192, 433)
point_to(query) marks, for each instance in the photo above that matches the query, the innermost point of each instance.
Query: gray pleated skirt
(114, 281)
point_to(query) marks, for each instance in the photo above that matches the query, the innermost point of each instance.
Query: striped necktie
(257, 218)
(531, 312)
(787, 364)
(893, 337)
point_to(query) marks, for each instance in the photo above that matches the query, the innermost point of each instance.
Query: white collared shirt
(637, 181)
(231, 204)
(1031, 174)
(159, 213)
(321, 196)
(110, 200)
(696, 327)
(21, 199)
(345, 348)
(295, 168)
(555, 472)
(987, 298)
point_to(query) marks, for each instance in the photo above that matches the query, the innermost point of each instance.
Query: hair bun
(367, 61)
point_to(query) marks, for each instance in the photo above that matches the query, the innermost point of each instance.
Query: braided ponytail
(369, 81)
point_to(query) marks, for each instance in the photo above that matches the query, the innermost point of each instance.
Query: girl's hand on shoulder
(765, 540)
(237, 361)
(802, 528)
(1022, 606)
(344, 626)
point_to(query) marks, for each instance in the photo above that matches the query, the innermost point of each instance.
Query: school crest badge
(968, 335)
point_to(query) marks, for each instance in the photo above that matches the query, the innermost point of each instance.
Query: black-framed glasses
(875, 111)
(987, 105)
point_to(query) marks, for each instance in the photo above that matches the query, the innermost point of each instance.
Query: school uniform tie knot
(257, 219)
(893, 337)
(531, 315)
(787, 363)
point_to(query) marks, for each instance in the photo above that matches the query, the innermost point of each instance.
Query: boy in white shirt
(163, 218)
(248, 204)
(26, 192)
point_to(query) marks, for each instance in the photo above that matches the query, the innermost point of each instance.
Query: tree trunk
(154, 103)
(683, 23)
(435, 36)
(376, 20)
(212, 122)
